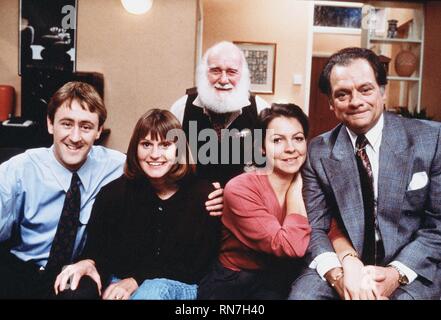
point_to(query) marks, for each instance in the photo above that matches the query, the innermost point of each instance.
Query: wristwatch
(402, 278)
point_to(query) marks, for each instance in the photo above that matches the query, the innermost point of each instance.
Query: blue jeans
(163, 289)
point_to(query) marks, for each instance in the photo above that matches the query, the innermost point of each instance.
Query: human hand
(121, 290)
(357, 283)
(296, 184)
(383, 279)
(215, 203)
(294, 198)
(72, 274)
(335, 279)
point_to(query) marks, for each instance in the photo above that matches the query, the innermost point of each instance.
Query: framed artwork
(337, 17)
(261, 59)
(47, 36)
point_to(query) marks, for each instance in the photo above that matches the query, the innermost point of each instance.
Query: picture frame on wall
(261, 59)
(47, 35)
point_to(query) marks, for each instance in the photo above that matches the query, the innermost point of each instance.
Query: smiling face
(285, 145)
(156, 157)
(223, 79)
(75, 130)
(356, 98)
(224, 70)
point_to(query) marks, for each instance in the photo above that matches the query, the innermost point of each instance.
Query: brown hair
(288, 110)
(84, 94)
(158, 123)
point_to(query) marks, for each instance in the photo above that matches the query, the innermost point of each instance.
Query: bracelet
(337, 277)
(352, 254)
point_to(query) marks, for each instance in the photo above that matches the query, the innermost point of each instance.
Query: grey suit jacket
(409, 220)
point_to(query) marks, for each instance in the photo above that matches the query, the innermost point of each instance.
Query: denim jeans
(163, 289)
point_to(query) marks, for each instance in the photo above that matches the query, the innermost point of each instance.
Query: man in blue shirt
(33, 188)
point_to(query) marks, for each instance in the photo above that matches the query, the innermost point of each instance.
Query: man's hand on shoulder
(215, 202)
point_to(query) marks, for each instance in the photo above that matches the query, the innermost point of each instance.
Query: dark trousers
(225, 284)
(24, 280)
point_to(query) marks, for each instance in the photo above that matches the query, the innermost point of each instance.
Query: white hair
(231, 101)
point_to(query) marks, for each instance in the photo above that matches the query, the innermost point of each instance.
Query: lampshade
(137, 6)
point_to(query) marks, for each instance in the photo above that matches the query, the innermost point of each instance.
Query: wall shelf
(394, 40)
(402, 91)
(397, 78)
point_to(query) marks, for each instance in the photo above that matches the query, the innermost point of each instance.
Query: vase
(6, 101)
(392, 28)
(405, 63)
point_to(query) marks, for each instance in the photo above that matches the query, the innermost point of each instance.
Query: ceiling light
(137, 6)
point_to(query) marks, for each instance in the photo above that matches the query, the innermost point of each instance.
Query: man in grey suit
(378, 175)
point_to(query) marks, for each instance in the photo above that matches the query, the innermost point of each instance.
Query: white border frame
(271, 48)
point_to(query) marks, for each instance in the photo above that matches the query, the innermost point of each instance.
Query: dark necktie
(64, 240)
(367, 189)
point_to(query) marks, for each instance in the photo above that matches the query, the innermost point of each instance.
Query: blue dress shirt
(33, 186)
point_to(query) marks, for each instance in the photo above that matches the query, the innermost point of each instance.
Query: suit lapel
(341, 170)
(393, 172)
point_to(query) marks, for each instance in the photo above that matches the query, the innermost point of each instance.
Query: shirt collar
(64, 175)
(373, 135)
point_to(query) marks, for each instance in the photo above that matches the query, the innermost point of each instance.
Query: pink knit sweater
(255, 226)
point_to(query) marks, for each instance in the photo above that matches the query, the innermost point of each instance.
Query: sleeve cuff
(410, 274)
(325, 262)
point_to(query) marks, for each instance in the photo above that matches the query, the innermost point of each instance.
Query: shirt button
(160, 209)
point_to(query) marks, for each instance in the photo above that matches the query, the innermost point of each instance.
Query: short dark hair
(156, 123)
(84, 94)
(345, 57)
(288, 110)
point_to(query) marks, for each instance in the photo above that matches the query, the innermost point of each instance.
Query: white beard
(228, 101)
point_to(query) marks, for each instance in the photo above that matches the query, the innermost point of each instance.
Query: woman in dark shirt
(150, 235)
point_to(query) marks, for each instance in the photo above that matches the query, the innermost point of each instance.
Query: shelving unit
(398, 78)
(402, 91)
(394, 40)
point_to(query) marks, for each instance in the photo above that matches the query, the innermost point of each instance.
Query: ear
(331, 106)
(98, 134)
(383, 94)
(50, 126)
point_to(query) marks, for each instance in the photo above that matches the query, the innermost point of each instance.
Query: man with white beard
(221, 101)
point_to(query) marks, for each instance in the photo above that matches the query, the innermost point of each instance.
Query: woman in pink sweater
(265, 228)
